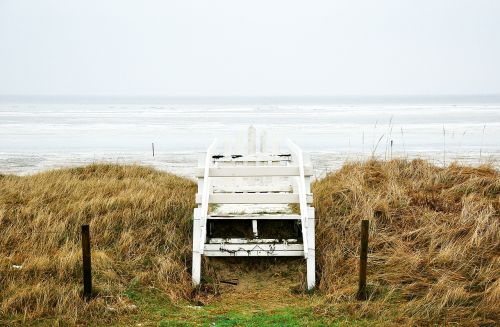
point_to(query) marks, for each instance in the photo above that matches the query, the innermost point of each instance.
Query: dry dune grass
(140, 222)
(434, 240)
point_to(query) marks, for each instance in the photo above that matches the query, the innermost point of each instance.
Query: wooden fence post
(87, 265)
(363, 258)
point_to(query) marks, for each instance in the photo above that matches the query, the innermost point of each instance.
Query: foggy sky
(249, 48)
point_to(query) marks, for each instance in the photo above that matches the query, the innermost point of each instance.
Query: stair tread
(236, 240)
(254, 216)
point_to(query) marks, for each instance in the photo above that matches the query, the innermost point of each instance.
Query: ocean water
(38, 136)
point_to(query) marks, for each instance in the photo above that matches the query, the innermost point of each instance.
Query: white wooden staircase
(258, 189)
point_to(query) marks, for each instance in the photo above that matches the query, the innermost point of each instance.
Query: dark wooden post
(87, 265)
(363, 258)
(153, 147)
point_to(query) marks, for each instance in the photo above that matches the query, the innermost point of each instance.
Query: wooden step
(254, 171)
(262, 157)
(218, 240)
(254, 198)
(235, 188)
(255, 216)
(253, 250)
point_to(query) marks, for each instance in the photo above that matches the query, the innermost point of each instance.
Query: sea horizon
(423, 99)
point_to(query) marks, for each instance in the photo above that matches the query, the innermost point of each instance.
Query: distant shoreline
(254, 100)
(36, 136)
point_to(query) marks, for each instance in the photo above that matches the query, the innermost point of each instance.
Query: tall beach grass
(434, 241)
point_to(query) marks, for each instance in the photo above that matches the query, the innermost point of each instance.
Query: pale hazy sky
(253, 47)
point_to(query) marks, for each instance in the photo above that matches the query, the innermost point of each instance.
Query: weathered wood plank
(253, 198)
(253, 158)
(255, 240)
(256, 253)
(259, 217)
(254, 247)
(254, 171)
(252, 188)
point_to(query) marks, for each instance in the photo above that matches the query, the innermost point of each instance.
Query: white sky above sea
(249, 48)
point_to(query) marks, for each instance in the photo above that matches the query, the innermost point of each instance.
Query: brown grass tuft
(434, 239)
(434, 242)
(140, 222)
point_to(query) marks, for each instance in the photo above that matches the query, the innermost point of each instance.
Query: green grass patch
(291, 316)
